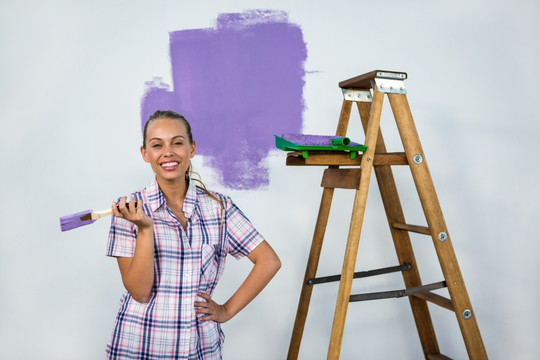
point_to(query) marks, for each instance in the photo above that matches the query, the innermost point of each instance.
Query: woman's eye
(178, 143)
(156, 146)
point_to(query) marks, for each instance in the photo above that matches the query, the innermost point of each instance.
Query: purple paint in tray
(321, 140)
(237, 84)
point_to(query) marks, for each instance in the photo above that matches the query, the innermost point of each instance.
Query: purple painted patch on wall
(238, 84)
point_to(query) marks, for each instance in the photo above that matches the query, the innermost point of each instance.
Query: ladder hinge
(357, 95)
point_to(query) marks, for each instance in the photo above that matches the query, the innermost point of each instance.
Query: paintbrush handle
(105, 212)
(101, 213)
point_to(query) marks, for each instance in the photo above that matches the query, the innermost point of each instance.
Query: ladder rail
(311, 271)
(355, 228)
(316, 246)
(402, 242)
(439, 233)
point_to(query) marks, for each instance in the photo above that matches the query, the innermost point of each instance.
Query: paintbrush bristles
(82, 218)
(73, 221)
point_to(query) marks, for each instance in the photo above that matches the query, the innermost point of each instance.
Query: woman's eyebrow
(174, 137)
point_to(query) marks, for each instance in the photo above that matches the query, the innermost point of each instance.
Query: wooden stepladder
(368, 91)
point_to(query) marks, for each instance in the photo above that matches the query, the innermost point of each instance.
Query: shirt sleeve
(122, 237)
(242, 237)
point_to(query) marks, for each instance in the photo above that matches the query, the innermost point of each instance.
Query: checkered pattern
(187, 261)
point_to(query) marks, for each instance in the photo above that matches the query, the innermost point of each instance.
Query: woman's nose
(168, 150)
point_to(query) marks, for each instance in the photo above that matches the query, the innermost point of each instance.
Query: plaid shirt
(186, 261)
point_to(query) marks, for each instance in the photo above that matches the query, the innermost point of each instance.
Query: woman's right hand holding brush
(132, 211)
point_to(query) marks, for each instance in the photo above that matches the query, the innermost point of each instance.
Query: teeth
(169, 164)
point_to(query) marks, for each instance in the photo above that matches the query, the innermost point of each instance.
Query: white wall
(72, 76)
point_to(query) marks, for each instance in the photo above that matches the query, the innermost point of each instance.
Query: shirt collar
(191, 198)
(156, 199)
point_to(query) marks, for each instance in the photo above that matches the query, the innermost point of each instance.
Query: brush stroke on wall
(238, 84)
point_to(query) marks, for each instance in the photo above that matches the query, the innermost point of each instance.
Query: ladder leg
(311, 271)
(402, 242)
(316, 246)
(443, 246)
(355, 228)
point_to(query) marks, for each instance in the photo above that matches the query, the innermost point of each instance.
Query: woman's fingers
(125, 209)
(122, 206)
(205, 296)
(210, 309)
(132, 207)
(132, 211)
(118, 208)
(115, 211)
(200, 306)
(204, 307)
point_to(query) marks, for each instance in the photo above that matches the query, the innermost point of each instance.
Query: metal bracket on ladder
(390, 82)
(357, 95)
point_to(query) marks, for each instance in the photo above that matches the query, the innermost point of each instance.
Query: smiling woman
(171, 240)
(169, 147)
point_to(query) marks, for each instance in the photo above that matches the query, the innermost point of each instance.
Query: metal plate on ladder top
(357, 95)
(390, 85)
(391, 75)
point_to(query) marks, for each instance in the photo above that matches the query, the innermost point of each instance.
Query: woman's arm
(266, 265)
(138, 271)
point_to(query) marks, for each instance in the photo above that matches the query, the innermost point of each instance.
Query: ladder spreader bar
(360, 274)
(413, 228)
(397, 293)
(436, 299)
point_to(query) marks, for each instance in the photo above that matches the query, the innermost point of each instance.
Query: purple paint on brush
(73, 221)
(238, 84)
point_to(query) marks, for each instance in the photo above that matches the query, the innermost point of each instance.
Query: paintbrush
(82, 218)
(86, 217)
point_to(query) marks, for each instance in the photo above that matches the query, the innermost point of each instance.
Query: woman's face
(168, 149)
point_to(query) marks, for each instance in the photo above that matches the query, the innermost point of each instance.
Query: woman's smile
(170, 165)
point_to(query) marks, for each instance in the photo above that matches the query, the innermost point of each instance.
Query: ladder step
(397, 293)
(341, 178)
(365, 81)
(436, 299)
(360, 274)
(413, 228)
(437, 357)
(327, 158)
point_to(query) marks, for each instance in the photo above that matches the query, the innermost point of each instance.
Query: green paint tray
(305, 143)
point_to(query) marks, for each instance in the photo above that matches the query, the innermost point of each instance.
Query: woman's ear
(144, 154)
(193, 149)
